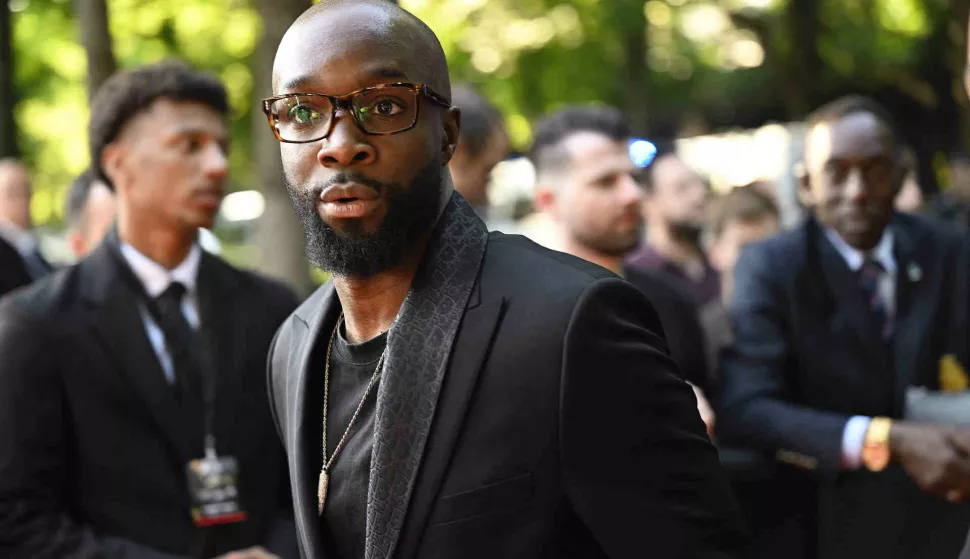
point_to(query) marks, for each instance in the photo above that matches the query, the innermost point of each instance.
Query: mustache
(315, 191)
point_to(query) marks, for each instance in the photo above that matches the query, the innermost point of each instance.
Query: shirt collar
(155, 277)
(881, 253)
(22, 241)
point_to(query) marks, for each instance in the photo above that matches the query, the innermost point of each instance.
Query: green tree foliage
(676, 66)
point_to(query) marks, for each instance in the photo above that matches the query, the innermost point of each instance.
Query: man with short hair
(586, 181)
(20, 259)
(675, 208)
(482, 144)
(133, 421)
(89, 214)
(833, 323)
(454, 392)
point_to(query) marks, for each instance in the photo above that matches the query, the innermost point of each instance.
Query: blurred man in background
(675, 208)
(742, 216)
(772, 508)
(482, 144)
(20, 259)
(910, 198)
(586, 181)
(833, 322)
(90, 212)
(133, 413)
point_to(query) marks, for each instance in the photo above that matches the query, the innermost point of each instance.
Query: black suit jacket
(682, 328)
(806, 358)
(13, 273)
(92, 447)
(526, 409)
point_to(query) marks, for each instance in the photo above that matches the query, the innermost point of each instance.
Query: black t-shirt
(345, 516)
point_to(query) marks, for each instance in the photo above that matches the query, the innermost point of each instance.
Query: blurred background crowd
(709, 99)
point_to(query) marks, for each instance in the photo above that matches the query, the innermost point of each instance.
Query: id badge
(212, 487)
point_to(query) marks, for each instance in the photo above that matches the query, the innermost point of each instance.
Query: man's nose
(216, 163)
(345, 146)
(855, 186)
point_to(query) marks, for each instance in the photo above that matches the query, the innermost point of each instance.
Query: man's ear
(544, 198)
(112, 161)
(451, 120)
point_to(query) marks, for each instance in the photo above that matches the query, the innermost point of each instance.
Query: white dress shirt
(156, 278)
(854, 435)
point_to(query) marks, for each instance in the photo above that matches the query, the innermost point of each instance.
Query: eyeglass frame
(338, 102)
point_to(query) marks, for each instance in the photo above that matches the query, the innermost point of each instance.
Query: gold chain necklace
(325, 469)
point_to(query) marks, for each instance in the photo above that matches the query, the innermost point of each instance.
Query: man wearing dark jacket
(133, 418)
(20, 259)
(833, 322)
(455, 393)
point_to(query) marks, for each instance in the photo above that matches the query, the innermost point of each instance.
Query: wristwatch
(875, 448)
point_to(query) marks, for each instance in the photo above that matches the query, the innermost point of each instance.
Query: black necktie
(869, 276)
(180, 339)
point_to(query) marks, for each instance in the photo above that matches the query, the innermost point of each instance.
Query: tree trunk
(92, 16)
(803, 72)
(278, 234)
(8, 137)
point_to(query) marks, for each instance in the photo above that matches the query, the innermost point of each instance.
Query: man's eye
(383, 107)
(301, 114)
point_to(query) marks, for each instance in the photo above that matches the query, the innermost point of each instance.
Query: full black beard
(411, 213)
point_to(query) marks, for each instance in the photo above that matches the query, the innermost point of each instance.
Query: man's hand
(936, 458)
(251, 553)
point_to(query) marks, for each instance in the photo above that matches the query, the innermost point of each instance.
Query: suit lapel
(472, 345)
(120, 326)
(418, 349)
(914, 303)
(324, 314)
(221, 343)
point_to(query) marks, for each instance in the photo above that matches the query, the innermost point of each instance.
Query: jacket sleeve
(639, 468)
(35, 521)
(758, 404)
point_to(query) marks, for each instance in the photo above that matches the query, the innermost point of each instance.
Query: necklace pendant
(322, 491)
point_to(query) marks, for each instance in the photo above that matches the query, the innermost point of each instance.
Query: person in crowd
(454, 392)
(20, 260)
(90, 213)
(773, 508)
(587, 182)
(675, 208)
(740, 217)
(482, 144)
(833, 322)
(133, 416)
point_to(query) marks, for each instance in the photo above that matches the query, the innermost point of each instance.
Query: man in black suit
(586, 181)
(20, 261)
(147, 356)
(833, 321)
(455, 393)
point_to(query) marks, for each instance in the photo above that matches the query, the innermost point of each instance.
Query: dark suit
(13, 272)
(93, 448)
(807, 357)
(525, 410)
(682, 328)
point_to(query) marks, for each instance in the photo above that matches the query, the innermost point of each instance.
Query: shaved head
(365, 198)
(399, 45)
